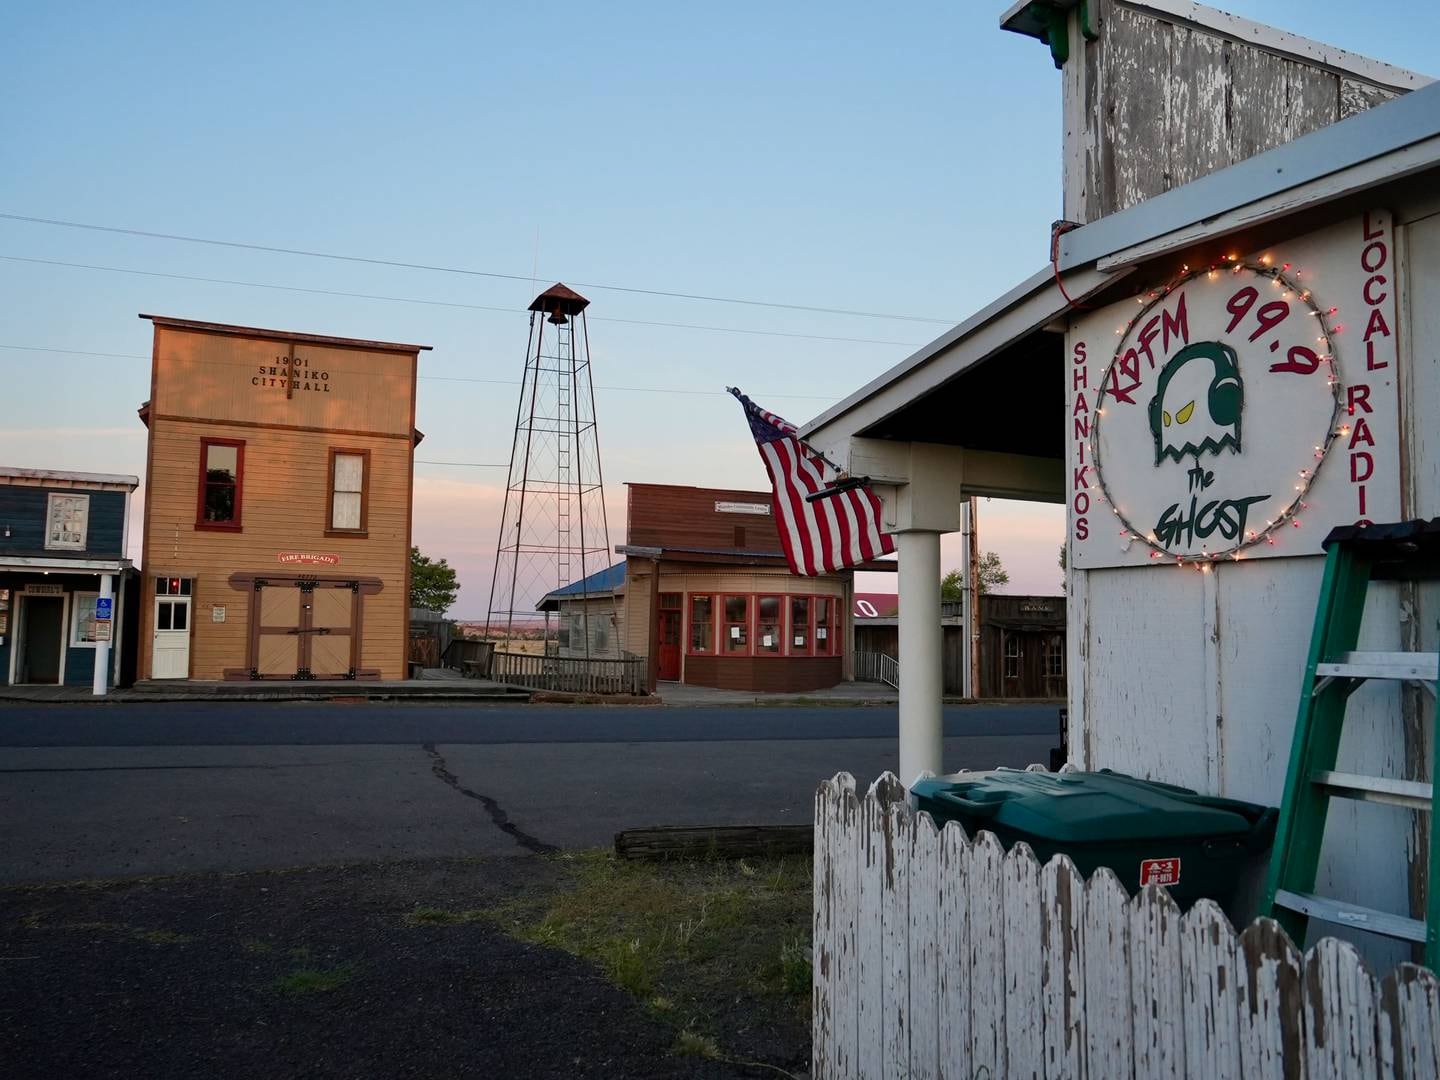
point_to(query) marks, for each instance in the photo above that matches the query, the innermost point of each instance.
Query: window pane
(767, 633)
(737, 624)
(349, 472)
(181, 611)
(184, 586)
(84, 609)
(162, 616)
(219, 502)
(162, 586)
(222, 463)
(702, 626)
(799, 623)
(822, 625)
(347, 510)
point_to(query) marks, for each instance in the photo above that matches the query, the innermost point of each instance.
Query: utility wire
(459, 270)
(435, 303)
(445, 378)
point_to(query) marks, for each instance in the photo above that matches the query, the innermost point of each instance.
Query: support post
(101, 684)
(921, 671)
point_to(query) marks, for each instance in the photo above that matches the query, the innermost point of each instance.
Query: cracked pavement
(119, 791)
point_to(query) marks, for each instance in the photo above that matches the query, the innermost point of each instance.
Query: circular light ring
(1252, 536)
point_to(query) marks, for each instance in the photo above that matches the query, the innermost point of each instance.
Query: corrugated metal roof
(43, 475)
(597, 584)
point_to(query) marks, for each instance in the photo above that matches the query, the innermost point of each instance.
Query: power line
(444, 378)
(465, 464)
(180, 238)
(437, 303)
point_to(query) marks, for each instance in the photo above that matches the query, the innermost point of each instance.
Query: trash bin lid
(1089, 807)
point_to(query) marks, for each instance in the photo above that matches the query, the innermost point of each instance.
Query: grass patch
(312, 981)
(685, 937)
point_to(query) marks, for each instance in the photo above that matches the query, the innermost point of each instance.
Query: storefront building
(277, 505)
(710, 600)
(66, 588)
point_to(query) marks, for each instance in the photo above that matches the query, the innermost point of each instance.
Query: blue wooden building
(67, 591)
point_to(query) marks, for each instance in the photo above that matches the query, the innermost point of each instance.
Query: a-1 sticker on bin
(1159, 872)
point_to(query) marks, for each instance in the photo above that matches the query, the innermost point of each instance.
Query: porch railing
(877, 667)
(572, 675)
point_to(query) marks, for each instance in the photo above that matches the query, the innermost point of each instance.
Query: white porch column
(101, 684)
(921, 673)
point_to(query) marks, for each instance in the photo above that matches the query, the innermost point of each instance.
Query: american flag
(828, 534)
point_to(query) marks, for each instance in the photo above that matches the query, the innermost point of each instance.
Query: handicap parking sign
(103, 607)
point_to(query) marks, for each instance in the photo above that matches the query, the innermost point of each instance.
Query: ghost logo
(1197, 403)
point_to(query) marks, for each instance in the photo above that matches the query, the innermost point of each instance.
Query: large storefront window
(824, 625)
(702, 624)
(768, 630)
(737, 625)
(799, 625)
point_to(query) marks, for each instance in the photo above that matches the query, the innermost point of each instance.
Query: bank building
(278, 490)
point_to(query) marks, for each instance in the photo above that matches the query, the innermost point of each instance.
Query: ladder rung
(1382, 789)
(1383, 665)
(1361, 918)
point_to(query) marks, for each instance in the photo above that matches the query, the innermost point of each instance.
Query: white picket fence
(940, 956)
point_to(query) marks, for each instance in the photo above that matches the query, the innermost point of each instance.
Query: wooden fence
(574, 675)
(940, 956)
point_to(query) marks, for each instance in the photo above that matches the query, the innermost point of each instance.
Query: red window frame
(808, 626)
(689, 610)
(757, 639)
(203, 482)
(786, 625)
(748, 625)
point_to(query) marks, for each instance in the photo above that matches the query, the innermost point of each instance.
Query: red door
(669, 638)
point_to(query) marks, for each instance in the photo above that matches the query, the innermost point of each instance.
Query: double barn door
(306, 629)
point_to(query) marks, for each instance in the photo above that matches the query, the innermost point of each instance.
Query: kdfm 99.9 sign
(1241, 408)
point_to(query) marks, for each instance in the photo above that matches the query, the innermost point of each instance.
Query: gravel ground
(314, 973)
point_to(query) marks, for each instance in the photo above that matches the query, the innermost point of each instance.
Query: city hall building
(277, 505)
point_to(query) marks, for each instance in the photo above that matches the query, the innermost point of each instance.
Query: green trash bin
(1146, 832)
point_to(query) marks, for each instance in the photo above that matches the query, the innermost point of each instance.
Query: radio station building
(710, 600)
(277, 505)
(67, 592)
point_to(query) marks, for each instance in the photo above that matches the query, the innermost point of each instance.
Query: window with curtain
(347, 490)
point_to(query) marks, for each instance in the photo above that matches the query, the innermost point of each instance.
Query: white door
(172, 638)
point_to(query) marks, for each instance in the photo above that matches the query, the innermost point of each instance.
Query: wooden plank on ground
(718, 841)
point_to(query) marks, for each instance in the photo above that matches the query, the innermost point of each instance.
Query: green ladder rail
(1355, 556)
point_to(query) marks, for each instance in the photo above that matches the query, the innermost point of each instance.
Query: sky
(899, 160)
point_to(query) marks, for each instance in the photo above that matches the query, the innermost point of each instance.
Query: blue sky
(884, 158)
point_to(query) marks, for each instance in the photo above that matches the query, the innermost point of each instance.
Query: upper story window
(349, 485)
(222, 475)
(67, 521)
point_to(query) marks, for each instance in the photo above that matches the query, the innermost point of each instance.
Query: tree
(992, 576)
(433, 583)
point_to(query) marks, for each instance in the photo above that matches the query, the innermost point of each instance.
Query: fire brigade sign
(1240, 408)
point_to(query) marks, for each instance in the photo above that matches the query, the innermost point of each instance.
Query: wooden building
(710, 600)
(1229, 349)
(277, 504)
(67, 591)
(1022, 646)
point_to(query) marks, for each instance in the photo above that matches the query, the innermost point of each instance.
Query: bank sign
(1238, 409)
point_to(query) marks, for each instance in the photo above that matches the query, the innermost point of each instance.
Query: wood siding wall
(767, 674)
(1153, 104)
(205, 380)
(663, 515)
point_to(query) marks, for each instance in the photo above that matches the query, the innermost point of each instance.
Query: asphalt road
(102, 791)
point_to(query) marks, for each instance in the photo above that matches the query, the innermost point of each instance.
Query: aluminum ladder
(1355, 556)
